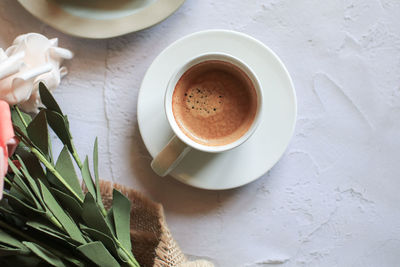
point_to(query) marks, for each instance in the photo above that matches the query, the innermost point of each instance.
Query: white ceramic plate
(255, 157)
(101, 18)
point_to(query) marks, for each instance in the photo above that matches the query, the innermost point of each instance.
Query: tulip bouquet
(45, 216)
(46, 219)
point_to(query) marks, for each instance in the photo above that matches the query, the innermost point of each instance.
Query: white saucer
(101, 18)
(255, 157)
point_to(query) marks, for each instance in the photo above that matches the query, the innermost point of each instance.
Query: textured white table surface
(332, 200)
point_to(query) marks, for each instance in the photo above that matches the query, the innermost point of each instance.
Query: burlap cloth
(152, 242)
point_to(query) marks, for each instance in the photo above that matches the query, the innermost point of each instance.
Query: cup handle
(170, 156)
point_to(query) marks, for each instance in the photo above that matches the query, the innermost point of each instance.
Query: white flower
(31, 59)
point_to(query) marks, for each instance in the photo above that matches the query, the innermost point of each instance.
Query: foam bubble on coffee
(205, 99)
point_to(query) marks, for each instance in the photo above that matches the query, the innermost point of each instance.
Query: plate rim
(51, 13)
(287, 75)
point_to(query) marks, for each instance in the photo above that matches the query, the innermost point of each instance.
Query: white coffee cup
(181, 144)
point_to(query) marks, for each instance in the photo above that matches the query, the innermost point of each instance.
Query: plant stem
(50, 167)
(75, 156)
(7, 181)
(103, 211)
(23, 137)
(131, 260)
(20, 116)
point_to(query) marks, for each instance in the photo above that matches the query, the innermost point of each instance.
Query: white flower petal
(63, 71)
(3, 55)
(60, 53)
(22, 90)
(54, 42)
(11, 65)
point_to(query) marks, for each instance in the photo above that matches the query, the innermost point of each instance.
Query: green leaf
(110, 220)
(18, 182)
(66, 168)
(64, 244)
(32, 183)
(17, 120)
(74, 259)
(96, 173)
(8, 251)
(10, 241)
(52, 232)
(21, 260)
(42, 226)
(68, 224)
(68, 203)
(48, 99)
(87, 178)
(44, 254)
(38, 133)
(59, 124)
(50, 145)
(16, 192)
(32, 164)
(66, 121)
(20, 186)
(52, 179)
(96, 161)
(121, 209)
(98, 254)
(22, 207)
(93, 217)
(14, 168)
(99, 236)
(6, 210)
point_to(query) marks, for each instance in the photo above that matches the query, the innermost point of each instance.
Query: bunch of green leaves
(45, 216)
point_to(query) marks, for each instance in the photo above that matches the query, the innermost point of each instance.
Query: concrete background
(332, 200)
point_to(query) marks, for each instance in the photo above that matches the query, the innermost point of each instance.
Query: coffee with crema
(214, 103)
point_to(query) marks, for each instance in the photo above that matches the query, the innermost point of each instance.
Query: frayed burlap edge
(152, 242)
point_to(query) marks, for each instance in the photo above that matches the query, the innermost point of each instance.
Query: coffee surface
(214, 103)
